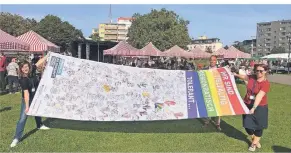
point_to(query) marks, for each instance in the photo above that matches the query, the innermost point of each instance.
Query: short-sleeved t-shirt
(263, 85)
(28, 83)
(12, 69)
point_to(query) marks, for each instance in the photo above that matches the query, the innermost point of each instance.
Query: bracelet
(254, 107)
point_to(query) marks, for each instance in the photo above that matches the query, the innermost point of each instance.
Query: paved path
(280, 78)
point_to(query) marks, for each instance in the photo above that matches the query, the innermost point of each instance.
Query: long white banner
(79, 89)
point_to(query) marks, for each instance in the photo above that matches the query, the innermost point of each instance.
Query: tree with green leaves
(239, 45)
(95, 37)
(62, 33)
(15, 24)
(277, 50)
(161, 27)
(226, 47)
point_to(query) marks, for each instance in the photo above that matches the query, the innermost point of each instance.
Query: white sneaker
(252, 148)
(14, 143)
(43, 127)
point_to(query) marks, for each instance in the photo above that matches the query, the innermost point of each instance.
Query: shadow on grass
(234, 133)
(281, 149)
(5, 109)
(177, 126)
(33, 131)
(29, 134)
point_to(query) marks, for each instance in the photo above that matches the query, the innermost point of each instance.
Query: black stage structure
(91, 50)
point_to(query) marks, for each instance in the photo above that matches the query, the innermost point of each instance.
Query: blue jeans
(22, 121)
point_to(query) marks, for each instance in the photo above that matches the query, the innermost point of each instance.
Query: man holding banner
(216, 120)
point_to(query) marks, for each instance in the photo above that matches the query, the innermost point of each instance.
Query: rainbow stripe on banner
(213, 93)
(79, 89)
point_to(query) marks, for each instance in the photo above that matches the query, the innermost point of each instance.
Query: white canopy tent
(282, 55)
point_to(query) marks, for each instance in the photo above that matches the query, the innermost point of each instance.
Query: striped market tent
(38, 43)
(175, 51)
(151, 50)
(123, 49)
(10, 43)
(235, 53)
(220, 52)
(198, 53)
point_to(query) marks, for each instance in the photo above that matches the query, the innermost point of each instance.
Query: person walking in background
(12, 75)
(2, 73)
(28, 86)
(256, 100)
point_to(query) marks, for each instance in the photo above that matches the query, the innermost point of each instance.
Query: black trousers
(257, 133)
(2, 81)
(13, 80)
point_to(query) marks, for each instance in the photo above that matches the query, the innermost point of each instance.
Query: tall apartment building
(272, 34)
(203, 43)
(114, 31)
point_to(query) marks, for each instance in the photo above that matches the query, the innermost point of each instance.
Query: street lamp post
(288, 61)
(252, 52)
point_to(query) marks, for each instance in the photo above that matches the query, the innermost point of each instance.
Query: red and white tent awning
(176, 51)
(123, 49)
(220, 52)
(151, 50)
(235, 53)
(9, 42)
(37, 42)
(198, 53)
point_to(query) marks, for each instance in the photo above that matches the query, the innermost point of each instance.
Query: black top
(30, 84)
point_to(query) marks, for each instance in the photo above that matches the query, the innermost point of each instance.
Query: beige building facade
(205, 44)
(114, 31)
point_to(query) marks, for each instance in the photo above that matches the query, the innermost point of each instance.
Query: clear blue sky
(227, 22)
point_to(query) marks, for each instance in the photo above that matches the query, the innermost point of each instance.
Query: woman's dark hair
(261, 65)
(21, 66)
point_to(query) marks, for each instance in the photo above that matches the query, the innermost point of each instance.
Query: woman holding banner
(256, 100)
(28, 86)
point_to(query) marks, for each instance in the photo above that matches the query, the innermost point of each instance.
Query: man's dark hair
(212, 56)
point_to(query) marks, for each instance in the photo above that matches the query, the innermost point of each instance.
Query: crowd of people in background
(242, 66)
(9, 66)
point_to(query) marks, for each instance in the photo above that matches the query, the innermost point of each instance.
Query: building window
(275, 37)
(283, 28)
(269, 29)
(268, 34)
(284, 22)
(275, 42)
(283, 33)
(282, 38)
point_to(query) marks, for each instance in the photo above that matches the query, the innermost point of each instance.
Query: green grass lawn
(158, 136)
